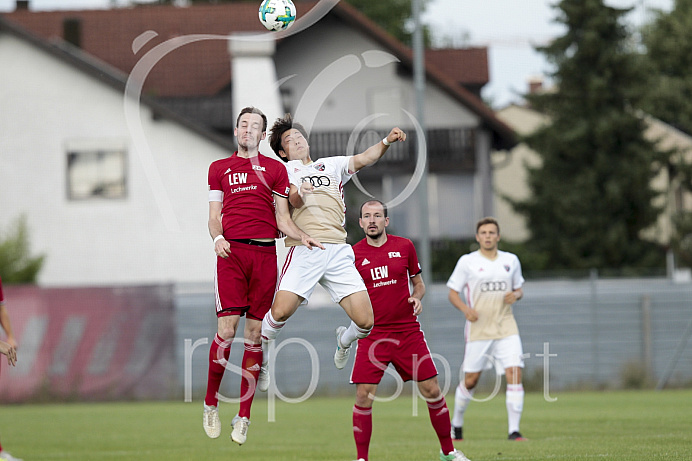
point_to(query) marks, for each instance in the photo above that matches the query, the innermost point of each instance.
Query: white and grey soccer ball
(277, 14)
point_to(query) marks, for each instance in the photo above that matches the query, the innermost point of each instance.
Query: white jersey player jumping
(491, 281)
(317, 199)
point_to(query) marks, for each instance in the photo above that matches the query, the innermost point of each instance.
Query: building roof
(202, 68)
(466, 66)
(107, 74)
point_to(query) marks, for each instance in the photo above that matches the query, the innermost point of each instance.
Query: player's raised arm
(288, 227)
(374, 153)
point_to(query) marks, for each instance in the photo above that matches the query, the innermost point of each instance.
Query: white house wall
(46, 105)
(358, 82)
(358, 87)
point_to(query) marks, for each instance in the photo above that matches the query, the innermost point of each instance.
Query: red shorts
(245, 281)
(407, 351)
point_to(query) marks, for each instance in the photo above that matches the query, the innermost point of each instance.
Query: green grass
(578, 426)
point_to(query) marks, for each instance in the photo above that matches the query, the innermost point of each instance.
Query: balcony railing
(448, 150)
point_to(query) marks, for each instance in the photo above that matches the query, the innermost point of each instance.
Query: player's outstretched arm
(374, 153)
(288, 227)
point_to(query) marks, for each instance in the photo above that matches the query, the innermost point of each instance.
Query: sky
(509, 28)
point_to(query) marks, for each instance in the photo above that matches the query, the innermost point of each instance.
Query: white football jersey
(484, 283)
(323, 215)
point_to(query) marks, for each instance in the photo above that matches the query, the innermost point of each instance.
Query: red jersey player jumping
(387, 263)
(248, 206)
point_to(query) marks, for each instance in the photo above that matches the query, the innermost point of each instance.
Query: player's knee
(470, 382)
(365, 322)
(283, 318)
(254, 337)
(430, 390)
(280, 315)
(226, 332)
(363, 398)
(364, 330)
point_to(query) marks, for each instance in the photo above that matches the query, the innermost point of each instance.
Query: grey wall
(599, 330)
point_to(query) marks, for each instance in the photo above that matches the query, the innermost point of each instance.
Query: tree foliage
(16, 263)
(592, 196)
(668, 44)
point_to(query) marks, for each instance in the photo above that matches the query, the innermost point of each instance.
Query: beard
(374, 233)
(247, 144)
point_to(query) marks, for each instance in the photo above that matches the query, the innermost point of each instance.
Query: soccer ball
(277, 14)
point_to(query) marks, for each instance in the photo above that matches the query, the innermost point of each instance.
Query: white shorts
(498, 353)
(333, 268)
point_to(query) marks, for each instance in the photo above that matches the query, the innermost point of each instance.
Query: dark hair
(488, 220)
(252, 110)
(280, 126)
(384, 207)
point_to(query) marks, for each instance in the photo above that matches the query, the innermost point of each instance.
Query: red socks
(439, 417)
(219, 351)
(362, 430)
(252, 361)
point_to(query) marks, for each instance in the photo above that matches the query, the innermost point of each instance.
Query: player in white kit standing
(491, 282)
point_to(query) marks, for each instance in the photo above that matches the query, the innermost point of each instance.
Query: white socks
(270, 327)
(352, 333)
(462, 398)
(514, 402)
(515, 405)
(270, 330)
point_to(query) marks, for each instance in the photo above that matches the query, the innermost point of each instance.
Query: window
(96, 172)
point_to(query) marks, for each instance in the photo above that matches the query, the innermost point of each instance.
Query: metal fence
(586, 334)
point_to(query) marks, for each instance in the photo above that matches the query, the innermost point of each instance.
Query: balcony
(448, 150)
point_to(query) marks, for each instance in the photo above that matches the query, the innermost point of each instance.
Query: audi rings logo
(493, 286)
(317, 181)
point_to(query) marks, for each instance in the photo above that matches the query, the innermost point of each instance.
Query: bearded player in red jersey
(248, 206)
(387, 264)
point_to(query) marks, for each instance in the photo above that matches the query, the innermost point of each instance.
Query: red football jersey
(248, 186)
(386, 271)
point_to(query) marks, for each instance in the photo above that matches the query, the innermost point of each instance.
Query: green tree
(668, 44)
(16, 263)
(592, 196)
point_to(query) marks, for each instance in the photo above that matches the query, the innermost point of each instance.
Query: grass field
(578, 426)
